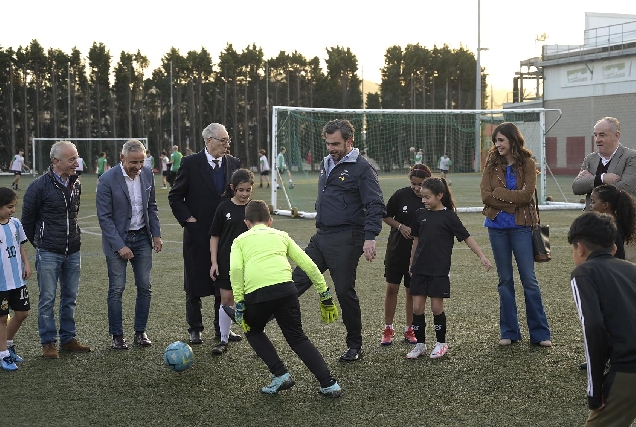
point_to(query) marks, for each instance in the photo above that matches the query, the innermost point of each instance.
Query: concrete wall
(571, 137)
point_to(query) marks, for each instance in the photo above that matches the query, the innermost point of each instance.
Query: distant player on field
(263, 165)
(444, 165)
(281, 164)
(17, 163)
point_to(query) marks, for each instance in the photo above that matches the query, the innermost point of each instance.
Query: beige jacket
(497, 197)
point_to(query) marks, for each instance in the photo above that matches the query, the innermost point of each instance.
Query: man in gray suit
(127, 213)
(612, 163)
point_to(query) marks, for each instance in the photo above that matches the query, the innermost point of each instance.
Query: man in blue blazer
(128, 217)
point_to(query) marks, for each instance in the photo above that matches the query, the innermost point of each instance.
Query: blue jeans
(505, 243)
(52, 267)
(139, 243)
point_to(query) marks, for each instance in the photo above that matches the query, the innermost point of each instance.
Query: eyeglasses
(223, 140)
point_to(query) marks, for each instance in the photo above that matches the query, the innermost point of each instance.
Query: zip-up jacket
(497, 197)
(350, 197)
(605, 295)
(49, 216)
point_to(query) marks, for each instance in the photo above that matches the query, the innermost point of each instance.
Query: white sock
(224, 324)
(9, 343)
(388, 326)
(290, 181)
(4, 353)
(406, 328)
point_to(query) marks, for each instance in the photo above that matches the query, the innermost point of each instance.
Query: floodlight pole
(478, 94)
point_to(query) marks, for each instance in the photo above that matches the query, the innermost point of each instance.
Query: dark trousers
(194, 316)
(286, 311)
(339, 253)
(620, 401)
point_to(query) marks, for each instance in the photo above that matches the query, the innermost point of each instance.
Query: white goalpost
(88, 149)
(388, 138)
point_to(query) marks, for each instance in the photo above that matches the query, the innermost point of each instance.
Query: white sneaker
(418, 350)
(440, 349)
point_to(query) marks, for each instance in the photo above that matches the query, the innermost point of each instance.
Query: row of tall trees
(57, 94)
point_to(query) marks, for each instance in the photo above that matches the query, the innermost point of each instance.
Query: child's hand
(214, 271)
(485, 262)
(26, 271)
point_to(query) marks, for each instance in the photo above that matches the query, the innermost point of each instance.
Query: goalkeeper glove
(328, 310)
(238, 316)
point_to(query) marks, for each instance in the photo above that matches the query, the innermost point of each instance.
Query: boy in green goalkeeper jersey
(262, 285)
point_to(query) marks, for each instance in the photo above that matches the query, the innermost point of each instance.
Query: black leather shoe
(142, 339)
(195, 337)
(119, 343)
(351, 355)
(233, 337)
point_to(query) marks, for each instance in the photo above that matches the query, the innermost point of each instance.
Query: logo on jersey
(228, 216)
(405, 208)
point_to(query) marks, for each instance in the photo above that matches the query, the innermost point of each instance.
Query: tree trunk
(54, 101)
(11, 108)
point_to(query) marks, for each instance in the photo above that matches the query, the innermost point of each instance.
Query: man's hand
(126, 253)
(369, 250)
(585, 174)
(328, 310)
(157, 243)
(611, 178)
(238, 316)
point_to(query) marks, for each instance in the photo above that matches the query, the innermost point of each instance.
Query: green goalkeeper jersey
(259, 259)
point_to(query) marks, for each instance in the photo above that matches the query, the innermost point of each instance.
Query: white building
(586, 83)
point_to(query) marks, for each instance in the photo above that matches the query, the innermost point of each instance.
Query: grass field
(477, 384)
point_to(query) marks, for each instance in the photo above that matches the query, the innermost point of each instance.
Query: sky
(508, 31)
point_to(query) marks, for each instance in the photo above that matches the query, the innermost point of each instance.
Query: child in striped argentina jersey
(14, 270)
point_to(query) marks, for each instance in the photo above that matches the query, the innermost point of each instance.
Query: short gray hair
(56, 149)
(211, 130)
(614, 124)
(133, 145)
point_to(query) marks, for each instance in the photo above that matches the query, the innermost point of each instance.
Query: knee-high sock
(440, 326)
(419, 327)
(224, 324)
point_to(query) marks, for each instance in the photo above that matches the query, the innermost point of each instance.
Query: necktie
(216, 163)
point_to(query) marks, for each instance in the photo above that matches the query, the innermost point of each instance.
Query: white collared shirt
(137, 220)
(210, 159)
(606, 161)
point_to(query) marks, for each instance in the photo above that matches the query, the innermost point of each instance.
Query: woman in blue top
(507, 190)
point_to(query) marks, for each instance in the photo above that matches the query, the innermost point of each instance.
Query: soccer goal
(391, 140)
(89, 150)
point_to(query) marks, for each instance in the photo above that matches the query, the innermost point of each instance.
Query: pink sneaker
(409, 336)
(387, 336)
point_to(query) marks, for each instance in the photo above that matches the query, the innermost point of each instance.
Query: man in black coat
(203, 180)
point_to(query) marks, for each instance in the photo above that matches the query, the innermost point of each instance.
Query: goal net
(390, 140)
(89, 150)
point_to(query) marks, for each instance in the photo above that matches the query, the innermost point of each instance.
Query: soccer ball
(412, 149)
(178, 356)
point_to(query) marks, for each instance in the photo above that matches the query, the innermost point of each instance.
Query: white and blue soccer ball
(178, 356)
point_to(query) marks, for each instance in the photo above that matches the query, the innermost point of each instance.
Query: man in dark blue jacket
(349, 216)
(49, 217)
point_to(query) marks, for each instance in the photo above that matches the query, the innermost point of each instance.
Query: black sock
(419, 327)
(440, 326)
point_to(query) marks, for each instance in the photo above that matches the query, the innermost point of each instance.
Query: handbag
(540, 235)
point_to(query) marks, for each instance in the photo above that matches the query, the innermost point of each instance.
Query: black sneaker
(220, 348)
(351, 355)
